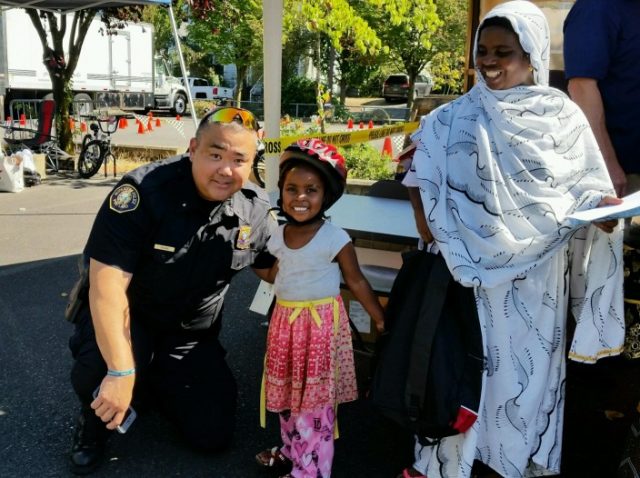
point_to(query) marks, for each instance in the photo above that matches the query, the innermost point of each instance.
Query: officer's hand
(113, 399)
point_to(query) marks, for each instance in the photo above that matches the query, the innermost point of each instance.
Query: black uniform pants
(185, 373)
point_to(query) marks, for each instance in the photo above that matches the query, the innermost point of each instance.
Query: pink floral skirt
(309, 360)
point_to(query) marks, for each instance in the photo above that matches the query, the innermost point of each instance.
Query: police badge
(124, 198)
(244, 238)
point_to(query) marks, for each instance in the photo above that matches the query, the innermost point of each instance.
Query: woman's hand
(608, 226)
(418, 213)
(423, 228)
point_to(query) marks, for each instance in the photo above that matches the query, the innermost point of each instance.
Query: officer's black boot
(89, 441)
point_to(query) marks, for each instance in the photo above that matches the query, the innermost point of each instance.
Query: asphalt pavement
(42, 232)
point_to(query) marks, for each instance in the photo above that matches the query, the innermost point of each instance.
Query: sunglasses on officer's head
(229, 114)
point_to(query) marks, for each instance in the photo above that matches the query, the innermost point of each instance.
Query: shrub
(340, 113)
(366, 162)
(294, 127)
(298, 89)
(202, 107)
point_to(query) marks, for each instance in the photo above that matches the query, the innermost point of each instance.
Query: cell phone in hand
(129, 416)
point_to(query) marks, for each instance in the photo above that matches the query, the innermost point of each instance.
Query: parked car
(396, 87)
(202, 90)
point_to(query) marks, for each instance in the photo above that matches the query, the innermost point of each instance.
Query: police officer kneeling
(163, 248)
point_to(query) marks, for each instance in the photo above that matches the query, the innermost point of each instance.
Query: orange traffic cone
(140, 127)
(370, 124)
(23, 120)
(150, 114)
(72, 124)
(121, 122)
(178, 118)
(387, 147)
(350, 124)
(158, 124)
(149, 125)
(83, 127)
(361, 125)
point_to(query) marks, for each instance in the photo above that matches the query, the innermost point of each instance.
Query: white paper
(263, 298)
(630, 207)
(359, 317)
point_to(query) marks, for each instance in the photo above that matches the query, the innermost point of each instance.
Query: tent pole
(272, 51)
(183, 68)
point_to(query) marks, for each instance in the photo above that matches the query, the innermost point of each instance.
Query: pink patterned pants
(308, 442)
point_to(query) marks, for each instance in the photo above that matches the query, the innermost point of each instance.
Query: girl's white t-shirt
(308, 273)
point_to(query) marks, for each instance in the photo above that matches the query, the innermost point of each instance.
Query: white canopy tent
(272, 55)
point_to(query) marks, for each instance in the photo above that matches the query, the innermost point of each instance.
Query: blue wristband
(121, 373)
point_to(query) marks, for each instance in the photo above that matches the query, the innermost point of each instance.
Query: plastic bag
(11, 174)
(27, 160)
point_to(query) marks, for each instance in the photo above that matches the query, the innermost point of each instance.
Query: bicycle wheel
(258, 168)
(85, 140)
(91, 158)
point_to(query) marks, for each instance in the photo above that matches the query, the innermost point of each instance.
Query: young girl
(309, 365)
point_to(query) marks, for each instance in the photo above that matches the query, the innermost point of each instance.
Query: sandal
(410, 473)
(273, 459)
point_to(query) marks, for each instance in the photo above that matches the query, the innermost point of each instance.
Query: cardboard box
(379, 267)
(40, 162)
(359, 316)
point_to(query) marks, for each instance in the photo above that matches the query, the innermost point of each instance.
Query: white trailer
(115, 68)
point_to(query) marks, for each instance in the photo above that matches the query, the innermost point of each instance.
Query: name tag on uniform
(244, 237)
(162, 247)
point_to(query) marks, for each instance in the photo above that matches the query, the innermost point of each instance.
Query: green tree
(199, 62)
(233, 33)
(356, 69)
(407, 28)
(447, 63)
(336, 27)
(60, 62)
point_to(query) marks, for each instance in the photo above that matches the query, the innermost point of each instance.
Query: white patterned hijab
(499, 170)
(532, 30)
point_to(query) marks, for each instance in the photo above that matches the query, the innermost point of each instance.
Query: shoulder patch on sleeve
(124, 198)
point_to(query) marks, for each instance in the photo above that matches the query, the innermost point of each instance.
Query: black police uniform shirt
(181, 250)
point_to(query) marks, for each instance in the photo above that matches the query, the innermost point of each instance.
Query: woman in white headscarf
(498, 171)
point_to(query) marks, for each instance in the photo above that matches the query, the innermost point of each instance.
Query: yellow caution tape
(343, 138)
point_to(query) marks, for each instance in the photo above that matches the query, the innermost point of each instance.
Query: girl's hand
(379, 326)
(608, 226)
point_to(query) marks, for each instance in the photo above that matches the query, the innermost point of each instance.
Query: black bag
(79, 294)
(429, 374)
(31, 178)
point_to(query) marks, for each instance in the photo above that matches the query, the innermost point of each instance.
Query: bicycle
(258, 166)
(96, 149)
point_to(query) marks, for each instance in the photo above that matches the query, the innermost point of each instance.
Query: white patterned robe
(498, 172)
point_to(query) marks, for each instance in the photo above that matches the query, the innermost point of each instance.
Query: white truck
(202, 90)
(117, 69)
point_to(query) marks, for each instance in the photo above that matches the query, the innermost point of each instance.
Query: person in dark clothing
(162, 251)
(601, 51)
